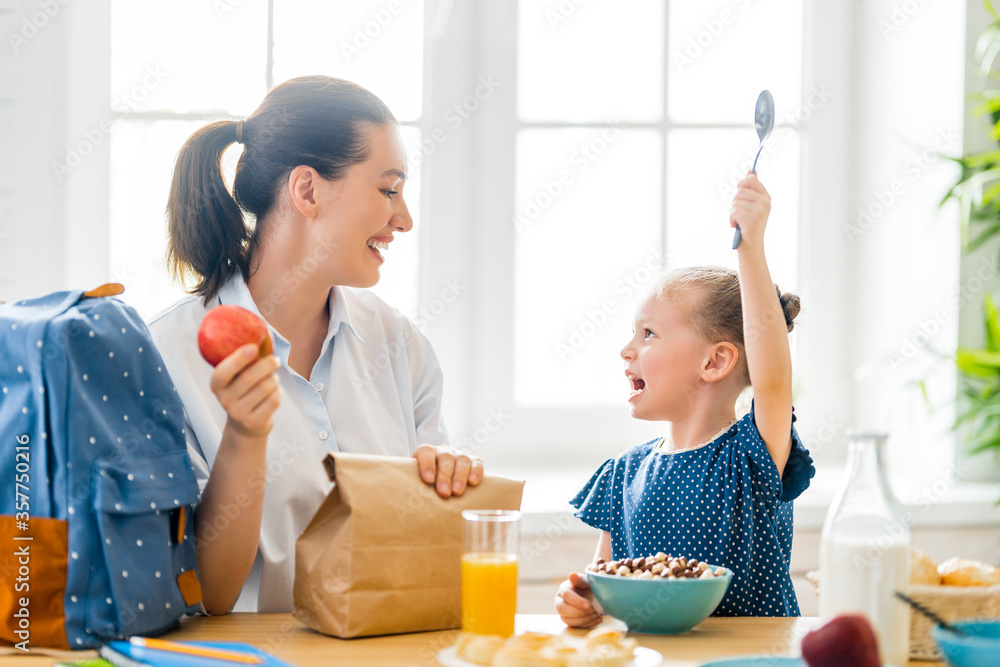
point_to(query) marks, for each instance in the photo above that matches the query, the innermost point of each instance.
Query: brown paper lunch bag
(382, 555)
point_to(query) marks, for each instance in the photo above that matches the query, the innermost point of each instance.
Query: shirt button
(319, 386)
(323, 435)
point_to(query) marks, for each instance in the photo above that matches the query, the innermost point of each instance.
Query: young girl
(321, 180)
(718, 488)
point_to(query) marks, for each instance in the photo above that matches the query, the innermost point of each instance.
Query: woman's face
(363, 209)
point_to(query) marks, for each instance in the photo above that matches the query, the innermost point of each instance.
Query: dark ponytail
(317, 121)
(208, 236)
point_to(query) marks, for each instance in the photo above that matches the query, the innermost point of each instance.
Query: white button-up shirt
(375, 389)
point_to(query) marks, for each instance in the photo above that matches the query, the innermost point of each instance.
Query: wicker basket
(952, 603)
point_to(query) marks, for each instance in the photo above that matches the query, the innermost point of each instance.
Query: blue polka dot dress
(723, 503)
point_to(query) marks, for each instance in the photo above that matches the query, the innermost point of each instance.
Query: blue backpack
(96, 516)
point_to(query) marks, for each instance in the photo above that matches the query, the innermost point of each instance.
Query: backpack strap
(107, 289)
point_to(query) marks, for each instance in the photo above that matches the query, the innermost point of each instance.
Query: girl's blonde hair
(714, 306)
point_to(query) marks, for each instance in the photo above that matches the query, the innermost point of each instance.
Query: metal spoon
(763, 120)
(930, 614)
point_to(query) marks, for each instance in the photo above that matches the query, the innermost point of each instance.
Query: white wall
(902, 317)
(52, 99)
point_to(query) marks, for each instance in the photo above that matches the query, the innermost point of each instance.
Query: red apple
(227, 328)
(847, 639)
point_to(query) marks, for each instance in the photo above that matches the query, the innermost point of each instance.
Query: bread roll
(923, 570)
(604, 647)
(602, 635)
(965, 572)
(534, 641)
(480, 649)
(524, 656)
(600, 656)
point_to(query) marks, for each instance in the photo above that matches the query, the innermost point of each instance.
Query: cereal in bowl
(660, 565)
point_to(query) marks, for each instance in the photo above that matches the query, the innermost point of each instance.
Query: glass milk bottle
(864, 553)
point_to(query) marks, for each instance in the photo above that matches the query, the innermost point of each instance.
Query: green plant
(978, 187)
(980, 389)
(978, 193)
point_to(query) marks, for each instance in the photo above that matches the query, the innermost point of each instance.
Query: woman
(321, 177)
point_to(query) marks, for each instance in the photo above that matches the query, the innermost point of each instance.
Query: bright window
(625, 166)
(233, 53)
(562, 155)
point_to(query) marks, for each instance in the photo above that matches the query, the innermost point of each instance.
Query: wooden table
(286, 638)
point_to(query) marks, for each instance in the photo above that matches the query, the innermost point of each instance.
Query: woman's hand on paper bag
(575, 603)
(449, 470)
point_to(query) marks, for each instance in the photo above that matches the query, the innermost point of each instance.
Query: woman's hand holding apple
(238, 343)
(248, 389)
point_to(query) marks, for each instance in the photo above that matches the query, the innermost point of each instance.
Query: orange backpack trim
(34, 572)
(190, 587)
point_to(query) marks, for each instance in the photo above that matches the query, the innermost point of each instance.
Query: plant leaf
(979, 363)
(992, 323)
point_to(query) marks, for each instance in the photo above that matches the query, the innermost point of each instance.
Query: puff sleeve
(594, 501)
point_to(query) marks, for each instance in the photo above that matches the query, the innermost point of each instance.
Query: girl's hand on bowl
(575, 603)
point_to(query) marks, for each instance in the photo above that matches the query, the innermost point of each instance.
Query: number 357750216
(22, 478)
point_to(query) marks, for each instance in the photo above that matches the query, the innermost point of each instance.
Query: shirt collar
(340, 313)
(235, 292)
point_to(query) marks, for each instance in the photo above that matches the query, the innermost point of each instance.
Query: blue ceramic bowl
(656, 605)
(980, 649)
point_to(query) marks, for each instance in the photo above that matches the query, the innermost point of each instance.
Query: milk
(864, 553)
(862, 576)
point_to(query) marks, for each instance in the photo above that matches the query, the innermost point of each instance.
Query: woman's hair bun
(790, 306)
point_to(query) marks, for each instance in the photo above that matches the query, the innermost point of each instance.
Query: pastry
(965, 572)
(600, 656)
(923, 571)
(480, 649)
(602, 635)
(603, 647)
(525, 656)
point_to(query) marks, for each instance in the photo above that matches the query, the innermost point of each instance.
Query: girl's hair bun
(790, 306)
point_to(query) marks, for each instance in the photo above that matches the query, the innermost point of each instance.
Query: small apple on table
(845, 641)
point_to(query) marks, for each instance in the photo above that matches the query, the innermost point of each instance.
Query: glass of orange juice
(489, 571)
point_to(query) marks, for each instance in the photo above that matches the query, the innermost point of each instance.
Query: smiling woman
(321, 176)
(208, 237)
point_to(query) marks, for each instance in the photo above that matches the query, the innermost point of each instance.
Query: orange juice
(489, 593)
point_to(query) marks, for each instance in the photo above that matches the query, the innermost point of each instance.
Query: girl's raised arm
(764, 329)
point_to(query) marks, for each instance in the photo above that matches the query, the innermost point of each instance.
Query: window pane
(188, 55)
(138, 203)
(374, 43)
(589, 221)
(703, 168)
(591, 61)
(399, 283)
(721, 54)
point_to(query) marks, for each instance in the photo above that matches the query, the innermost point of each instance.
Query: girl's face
(662, 361)
(364, 209)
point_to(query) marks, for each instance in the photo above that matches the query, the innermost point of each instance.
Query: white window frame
(468, 236)
(475, 337)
